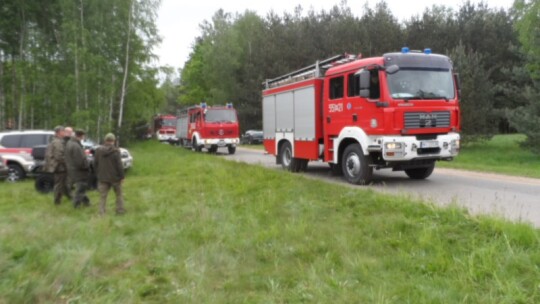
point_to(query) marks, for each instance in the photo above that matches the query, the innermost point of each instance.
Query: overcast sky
(178, 21)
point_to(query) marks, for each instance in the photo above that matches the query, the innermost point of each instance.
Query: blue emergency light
(404, 50)
(229, 105)
(427, 51)
(203, 105)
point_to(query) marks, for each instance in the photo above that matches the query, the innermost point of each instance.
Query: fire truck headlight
(393, 146)
(455, 146)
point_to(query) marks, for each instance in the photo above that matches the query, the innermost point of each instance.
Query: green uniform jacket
(54, 156)
(108, 164)
(76, 161)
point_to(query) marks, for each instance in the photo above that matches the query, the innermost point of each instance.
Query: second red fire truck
(164, 127)
(398, 111)
(208, 127)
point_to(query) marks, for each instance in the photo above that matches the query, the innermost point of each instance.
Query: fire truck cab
(164, 127)
(398, 111)
(209, 127)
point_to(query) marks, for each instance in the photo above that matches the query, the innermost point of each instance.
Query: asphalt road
(514, 198)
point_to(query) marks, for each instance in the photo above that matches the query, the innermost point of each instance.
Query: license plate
(221, 143)
(429, 144)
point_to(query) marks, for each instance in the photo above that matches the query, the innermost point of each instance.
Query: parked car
(88, 143)
(16, 148)
(4, 170)
(252, 137)
(127, 159)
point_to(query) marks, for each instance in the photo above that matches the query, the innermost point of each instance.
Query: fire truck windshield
(168, 123)
(420, 83)
(222, 115)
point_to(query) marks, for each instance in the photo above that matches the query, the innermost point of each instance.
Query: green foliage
(236, 53)
(203, 230)
(506, 156)
(527, 13)
(477, 119)
(63, 62)
(526, 119)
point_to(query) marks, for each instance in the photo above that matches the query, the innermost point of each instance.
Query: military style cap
(110, 137)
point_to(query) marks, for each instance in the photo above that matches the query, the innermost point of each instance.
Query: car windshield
(421, 84)
(169, 123)
(224, 115)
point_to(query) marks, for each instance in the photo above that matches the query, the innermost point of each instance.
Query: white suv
(16, 149)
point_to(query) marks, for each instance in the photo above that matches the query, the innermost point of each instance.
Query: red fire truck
(208, 127)
(164, 128)
(398, 111)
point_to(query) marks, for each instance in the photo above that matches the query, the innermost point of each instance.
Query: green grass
(501, 154)
(200, 229)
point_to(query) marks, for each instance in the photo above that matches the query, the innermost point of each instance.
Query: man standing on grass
(110, 173)
(55, 163)
(78, 168)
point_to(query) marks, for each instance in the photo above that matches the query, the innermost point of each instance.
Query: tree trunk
(83, 47)
(126, 66)
(111, 105)
(13, 92)
(21, 59)
(2, 97)
(77, 100)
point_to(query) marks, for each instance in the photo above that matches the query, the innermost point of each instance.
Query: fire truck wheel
(231, 149)
(288, 162)
(420, 173)
(303, 165)
(355, 165)
(196, 146)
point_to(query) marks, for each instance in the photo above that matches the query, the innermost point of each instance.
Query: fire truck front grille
(418, 120)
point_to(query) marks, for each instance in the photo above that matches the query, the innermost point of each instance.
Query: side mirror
(458, 84)
(365, 84)
(392, 69)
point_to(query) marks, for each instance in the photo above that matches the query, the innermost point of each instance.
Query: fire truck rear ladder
(309, 72)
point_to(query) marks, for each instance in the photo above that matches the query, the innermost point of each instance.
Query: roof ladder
(309, 72)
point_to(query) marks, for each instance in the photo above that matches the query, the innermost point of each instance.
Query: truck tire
(196, 146)
(420, 173)
(231, 149)
(16, 173)
(44, 183)
(288, 162)
(303, 165)
(355, 165)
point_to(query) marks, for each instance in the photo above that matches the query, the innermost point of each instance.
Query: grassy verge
(203, 230)
(502, 154)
